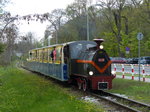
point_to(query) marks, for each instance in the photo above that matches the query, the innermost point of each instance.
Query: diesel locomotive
(84, 62)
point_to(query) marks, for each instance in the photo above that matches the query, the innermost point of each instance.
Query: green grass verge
(21, 91)
(136, 90)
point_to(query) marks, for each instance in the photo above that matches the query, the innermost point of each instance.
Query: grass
(136, 90)
(21, 91)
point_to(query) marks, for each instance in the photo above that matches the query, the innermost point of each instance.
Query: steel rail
(129, 100)
(122, 106)
(131, 103)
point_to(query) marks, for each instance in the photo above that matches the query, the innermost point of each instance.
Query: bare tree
(56, 18)
(10, 39)
(26, 43)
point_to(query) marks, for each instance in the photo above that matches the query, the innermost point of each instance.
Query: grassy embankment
(21, 91)
(135, 90)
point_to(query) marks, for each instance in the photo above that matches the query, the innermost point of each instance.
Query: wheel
(84, 85)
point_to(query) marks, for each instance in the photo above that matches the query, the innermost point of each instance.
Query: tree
(26, 43)
(2, 4)
(2, 47)
(76, 9)
(77, 19)
(56, 20)
(11, 34)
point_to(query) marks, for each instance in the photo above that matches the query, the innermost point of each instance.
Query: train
(84, 63)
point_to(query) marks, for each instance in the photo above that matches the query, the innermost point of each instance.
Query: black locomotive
(83, 62)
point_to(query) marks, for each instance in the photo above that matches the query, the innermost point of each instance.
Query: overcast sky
(25, 7)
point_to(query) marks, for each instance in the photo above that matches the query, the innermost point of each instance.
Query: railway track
(124, 104)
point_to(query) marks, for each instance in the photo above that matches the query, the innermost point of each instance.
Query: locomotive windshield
(77, 47)
(91, 55)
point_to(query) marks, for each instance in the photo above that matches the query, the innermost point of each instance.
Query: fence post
(132, 70)
(143, 72)
(115, 68)
(122, 71)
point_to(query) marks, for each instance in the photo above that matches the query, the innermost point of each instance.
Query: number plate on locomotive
(101, 60)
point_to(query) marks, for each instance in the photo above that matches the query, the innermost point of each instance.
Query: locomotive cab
(92, 68)
(94, 62)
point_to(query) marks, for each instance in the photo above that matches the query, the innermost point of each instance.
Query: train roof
(67, 43)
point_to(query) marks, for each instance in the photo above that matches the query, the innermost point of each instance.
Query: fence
(132, 69)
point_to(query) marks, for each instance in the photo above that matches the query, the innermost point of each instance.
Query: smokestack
(99, 41)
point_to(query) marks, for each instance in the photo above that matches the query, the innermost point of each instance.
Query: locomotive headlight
(101, 46)
(91, 73)
(113, 72)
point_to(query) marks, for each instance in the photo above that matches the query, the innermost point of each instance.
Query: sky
(25, 7)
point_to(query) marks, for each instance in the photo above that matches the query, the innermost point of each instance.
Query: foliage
(117, 21)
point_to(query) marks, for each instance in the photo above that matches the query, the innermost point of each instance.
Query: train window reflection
(90, 45)
(79, 47)
(90, 55)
